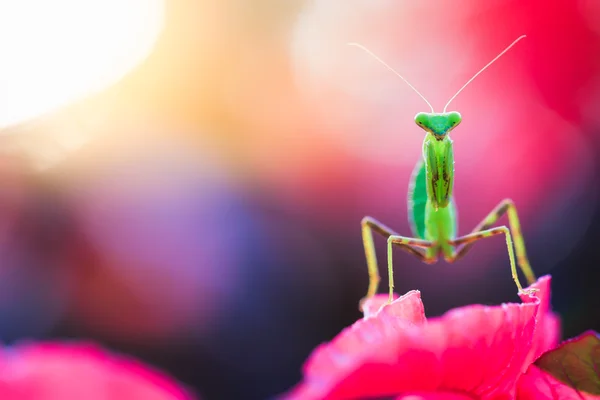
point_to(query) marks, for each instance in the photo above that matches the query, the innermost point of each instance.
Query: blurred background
(183, 181)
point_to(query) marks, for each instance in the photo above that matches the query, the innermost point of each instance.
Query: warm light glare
(56, 51)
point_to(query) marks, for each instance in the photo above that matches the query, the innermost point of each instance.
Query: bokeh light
(55, 52)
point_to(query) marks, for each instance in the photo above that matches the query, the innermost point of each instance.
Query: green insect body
(431, 207)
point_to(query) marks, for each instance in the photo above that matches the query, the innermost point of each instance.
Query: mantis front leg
(369, 225)
(506, 205)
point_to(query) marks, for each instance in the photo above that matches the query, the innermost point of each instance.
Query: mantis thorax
(439, 163)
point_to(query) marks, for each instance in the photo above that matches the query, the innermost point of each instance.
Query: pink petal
(371, 306)
(65, 372)
(486, 347)
(435, 396)
(409, 307)
(547, 332)
(536, 384)
(475, 350)
(406, 309)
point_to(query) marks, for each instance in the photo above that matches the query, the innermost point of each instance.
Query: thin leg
(475, 236)
(515, 229)
(369, 225)
(404, 243)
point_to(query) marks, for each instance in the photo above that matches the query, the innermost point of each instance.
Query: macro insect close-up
(432, 209)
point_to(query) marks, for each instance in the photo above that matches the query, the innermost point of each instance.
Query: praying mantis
(431, 207)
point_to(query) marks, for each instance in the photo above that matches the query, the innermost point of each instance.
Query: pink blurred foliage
(473, 351)
(54, 371)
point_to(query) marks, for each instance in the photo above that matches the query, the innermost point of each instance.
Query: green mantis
(431, 208)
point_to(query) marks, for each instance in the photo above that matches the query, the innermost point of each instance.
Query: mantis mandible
(431, 207)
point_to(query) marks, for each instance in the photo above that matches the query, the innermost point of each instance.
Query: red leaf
(576, 363)
(536, 384)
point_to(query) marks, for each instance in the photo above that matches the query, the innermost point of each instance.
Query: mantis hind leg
(410, 245)
(506, 205)
(471, 238)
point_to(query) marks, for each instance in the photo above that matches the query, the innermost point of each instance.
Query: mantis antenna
(483, 69)
(400, 76)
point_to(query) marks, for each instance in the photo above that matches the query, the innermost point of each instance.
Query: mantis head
(438, 124)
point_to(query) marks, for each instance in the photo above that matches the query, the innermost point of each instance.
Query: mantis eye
(454, 118)
(421, 119)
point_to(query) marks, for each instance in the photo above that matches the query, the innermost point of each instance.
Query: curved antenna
(391, 69)
(483, 69)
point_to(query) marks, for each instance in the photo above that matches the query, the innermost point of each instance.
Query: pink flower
(470, 352)
(53, 371)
